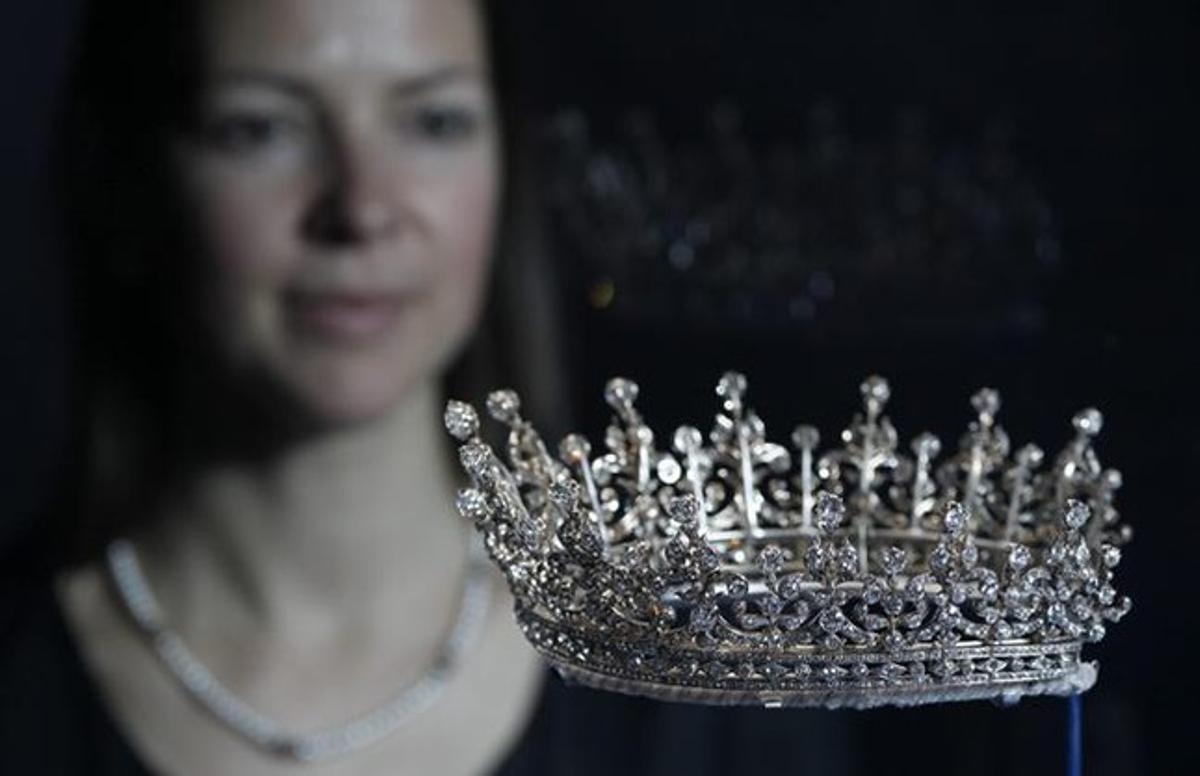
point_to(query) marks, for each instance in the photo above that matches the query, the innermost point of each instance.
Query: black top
(52, 721)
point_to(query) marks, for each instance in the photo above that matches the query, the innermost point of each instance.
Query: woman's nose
(359, 198)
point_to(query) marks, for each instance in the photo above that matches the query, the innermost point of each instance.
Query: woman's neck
(342, 526)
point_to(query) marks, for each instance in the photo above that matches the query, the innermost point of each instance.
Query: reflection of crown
(809, 230)
(744, 572)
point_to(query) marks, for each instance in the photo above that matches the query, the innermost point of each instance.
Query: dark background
(1102, 97)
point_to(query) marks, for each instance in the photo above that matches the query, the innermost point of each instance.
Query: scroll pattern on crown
(734, 570)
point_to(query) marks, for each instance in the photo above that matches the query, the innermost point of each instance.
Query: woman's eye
(442, 124)
(248, 133)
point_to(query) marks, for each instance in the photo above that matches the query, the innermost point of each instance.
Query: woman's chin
(339, 406)
(326, 385)
(334, 400)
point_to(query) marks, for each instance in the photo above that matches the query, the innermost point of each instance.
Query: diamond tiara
(744, 572)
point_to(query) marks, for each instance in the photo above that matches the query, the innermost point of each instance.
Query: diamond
(1082, 609)
(806, 437)
(986, 402)
(669, 470)
(1019, 557)
(620, 393)
(773, 670)
(684, 509)
(475, 458)
(581, 536)
(676, 552)
(927, 446)
(829, 511)
(529, 532)
(832, 620)
(944, 669)
(790, 587)
(847, 559)
(893, 560)
(716, 669)
(790, 622)
(702, 619)
(815, 557)
(471, 504)
(955, 519)
(504, 405)
(1077, 514)
(989, 588)
(575, 449)
(565, 494)
(737, 586)
(771, 605)
(688, 439)
(461, 420)
(732, 385)
(1088, 421)
(940, 559)
(1030, 456)
(876, 389)
(1111, 555)
(994, 665)
(894, 641)
(770, 559)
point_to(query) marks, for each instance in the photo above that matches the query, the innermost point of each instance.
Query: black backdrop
(1103, 97)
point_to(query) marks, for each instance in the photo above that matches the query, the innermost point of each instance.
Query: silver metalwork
(267, 734)
(739, 572)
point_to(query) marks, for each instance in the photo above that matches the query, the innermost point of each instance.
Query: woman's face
(342, 173)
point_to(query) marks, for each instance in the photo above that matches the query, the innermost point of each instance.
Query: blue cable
(1075, 736)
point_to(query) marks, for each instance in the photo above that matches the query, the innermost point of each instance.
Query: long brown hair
(133, 75)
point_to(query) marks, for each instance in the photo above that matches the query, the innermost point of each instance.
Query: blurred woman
(283, 215)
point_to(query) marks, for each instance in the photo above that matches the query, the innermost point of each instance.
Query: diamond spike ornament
(729, 569)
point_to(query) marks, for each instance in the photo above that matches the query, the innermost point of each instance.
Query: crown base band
(857, 679)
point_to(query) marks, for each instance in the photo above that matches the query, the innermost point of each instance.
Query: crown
(732, 221)
(739, 571)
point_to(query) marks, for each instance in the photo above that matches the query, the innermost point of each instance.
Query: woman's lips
(341, 316)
